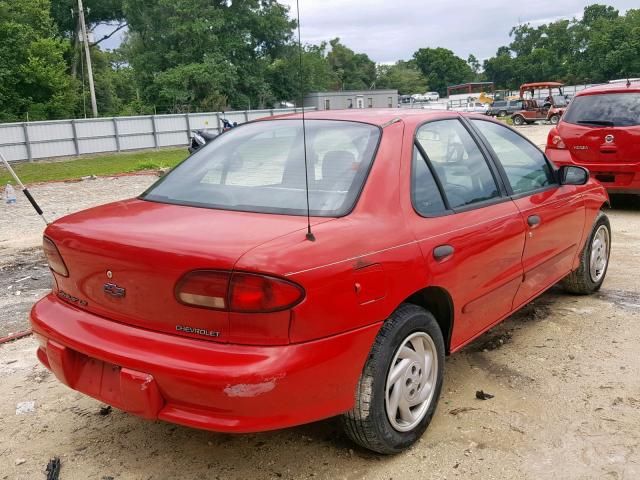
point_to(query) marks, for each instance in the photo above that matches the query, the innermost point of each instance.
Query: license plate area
(127, 389)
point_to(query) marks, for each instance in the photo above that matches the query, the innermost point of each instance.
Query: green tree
(33, 73)
(441, 67)
(501, 69)
(199, 50)
(354, 71)
(601, 46)
(283, 74)
(96, 11)
(403, 76)
(475, 65)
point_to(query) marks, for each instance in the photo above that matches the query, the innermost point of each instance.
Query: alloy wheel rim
(599, 254)
(411, 381)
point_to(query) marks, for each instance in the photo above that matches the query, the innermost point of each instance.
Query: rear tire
(502, 113)
(398, 390)
(554, 119)
(594, 260)
(518, 120)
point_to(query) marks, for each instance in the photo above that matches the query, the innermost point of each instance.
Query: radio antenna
(310, 236)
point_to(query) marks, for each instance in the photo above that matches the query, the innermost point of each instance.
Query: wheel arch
(438, 301)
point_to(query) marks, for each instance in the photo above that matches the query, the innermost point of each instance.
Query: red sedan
(203, 302)
(601, 130)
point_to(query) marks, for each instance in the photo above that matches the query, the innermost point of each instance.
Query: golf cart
(534, 109)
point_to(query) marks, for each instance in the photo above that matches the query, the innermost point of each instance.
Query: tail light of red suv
(554, 140)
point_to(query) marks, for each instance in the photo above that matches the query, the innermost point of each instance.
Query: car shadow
(629, 203)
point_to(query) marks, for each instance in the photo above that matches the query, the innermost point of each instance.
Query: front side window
(458, 162)
(526, 167)
(259, 167)
(608, 110)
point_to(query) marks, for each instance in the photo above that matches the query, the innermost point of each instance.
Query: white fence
(60, 138)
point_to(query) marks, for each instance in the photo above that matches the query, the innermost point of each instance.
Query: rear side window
(424, 190)
(259, 167)
(499, 104)
(526, 167)
(607, 109)
(458, 162)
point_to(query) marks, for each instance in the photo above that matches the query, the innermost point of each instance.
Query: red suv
(601, 131)
(205, 301)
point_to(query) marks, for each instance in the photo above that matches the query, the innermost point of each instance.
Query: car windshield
(559, 101)
(259, 167)
(610, 109)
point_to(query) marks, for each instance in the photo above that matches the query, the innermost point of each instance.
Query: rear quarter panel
(360, 267)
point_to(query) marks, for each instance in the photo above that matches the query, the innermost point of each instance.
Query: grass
(102, 165)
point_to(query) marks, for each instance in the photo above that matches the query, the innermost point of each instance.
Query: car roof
(374, 116)
(617, 87)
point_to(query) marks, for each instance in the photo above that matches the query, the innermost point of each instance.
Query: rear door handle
(533, 221)
(443, 251)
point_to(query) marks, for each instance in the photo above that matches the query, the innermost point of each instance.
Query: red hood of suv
(147, 247)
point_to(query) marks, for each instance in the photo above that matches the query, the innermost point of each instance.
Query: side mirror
(573, 175)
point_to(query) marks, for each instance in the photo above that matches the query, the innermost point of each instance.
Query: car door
(554, 214)
(470, 232)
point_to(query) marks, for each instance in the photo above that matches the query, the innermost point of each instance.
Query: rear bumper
(615, 177)
(198, 383)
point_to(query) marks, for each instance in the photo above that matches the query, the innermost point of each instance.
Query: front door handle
(443, 251)
(533, 221)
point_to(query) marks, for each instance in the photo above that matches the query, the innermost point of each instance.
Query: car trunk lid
(125, 258)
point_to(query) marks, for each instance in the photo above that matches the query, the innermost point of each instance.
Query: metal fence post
(271, 112)
(116, 132)
(218, 121)
(246, 116)
(186, 116)
(155, 131)
(75, 137)
(27, 143)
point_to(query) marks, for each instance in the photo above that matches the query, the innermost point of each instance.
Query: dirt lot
(564, 372)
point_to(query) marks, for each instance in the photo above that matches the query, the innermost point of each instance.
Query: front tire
(398, 390)
(554, 119)
(594, 260)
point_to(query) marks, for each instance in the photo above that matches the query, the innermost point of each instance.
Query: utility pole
(85, 40)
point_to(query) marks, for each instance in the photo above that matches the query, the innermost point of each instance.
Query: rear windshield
(610, 109)
(259, 167)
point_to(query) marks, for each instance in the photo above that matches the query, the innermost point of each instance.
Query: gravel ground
(563, 371)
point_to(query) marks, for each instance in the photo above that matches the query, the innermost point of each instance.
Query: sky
(392, 30)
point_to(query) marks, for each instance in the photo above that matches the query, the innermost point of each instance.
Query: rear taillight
(249, 292)
(56, 263)
(204, 288)
(554, 140)
(237, 292)
(557, 142)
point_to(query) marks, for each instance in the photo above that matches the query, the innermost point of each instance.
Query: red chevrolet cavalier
(601, 131)
(203, 302)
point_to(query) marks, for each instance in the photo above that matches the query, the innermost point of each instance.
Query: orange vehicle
(550, 108)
